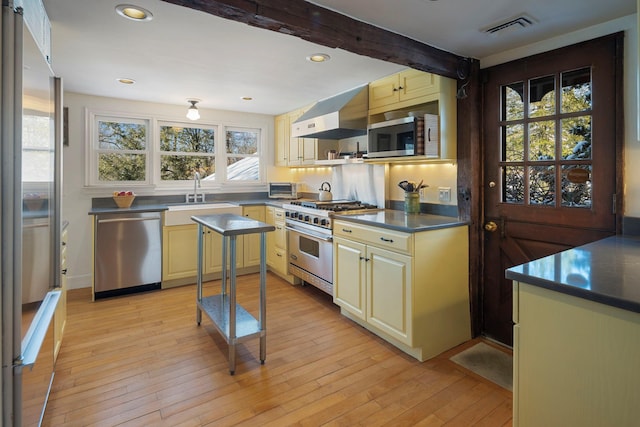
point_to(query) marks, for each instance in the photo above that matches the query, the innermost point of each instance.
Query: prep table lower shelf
(216, 307)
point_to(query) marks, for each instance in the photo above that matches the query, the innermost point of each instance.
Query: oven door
(311, 257)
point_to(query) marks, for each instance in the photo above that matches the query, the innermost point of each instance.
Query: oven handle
(309, 234)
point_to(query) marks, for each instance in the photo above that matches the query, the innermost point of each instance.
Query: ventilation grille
(522, 21)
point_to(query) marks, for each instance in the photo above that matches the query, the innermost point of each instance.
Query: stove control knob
(323, 222)
(315, 220)
(306, 218)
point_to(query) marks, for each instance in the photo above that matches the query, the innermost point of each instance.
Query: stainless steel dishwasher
(128, 253)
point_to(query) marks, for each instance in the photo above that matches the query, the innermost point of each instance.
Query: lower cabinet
(180, 251)
(409, 288)
(277, 245)
(575, 361)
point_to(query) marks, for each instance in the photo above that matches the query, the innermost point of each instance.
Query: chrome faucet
(195, 197)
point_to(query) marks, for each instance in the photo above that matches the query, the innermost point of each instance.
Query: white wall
(629, 25)
(77, 198)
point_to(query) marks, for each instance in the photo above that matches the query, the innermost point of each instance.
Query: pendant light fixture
(192, 112)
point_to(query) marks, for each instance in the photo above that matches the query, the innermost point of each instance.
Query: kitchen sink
(181, 214)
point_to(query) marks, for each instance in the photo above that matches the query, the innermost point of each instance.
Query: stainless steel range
(310, 229)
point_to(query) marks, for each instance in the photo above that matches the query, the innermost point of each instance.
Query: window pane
(576, 90)
(242, 141)
(513, 185)
(513, 143)
(542, 185)
(121, 135)
(513, 101)
(187, 139)
(180, 167)
(243, 168)
(542, 140)
(576, 138)
(542, 97)
(121, 167)
(576, 186)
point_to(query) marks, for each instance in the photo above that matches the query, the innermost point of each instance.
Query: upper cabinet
(292, 151)
(402, 90)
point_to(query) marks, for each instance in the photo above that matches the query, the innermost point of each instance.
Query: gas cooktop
(334, 205)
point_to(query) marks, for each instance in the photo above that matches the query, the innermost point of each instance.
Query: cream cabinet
(60, 316)
(292, 151)
(277, 245)
(409, 288)
(251, 253)
(403, 89)
(575, 361)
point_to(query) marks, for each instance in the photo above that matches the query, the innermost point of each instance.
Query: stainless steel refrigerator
(30, 219)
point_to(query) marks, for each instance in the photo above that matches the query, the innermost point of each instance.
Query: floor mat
(488, 362)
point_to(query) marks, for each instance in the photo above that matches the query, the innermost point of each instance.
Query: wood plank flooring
(141, 360)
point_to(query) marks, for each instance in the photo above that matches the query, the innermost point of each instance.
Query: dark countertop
(158, 207)
(400, 221)
(232, 225)
(133, 208)
(605, 271)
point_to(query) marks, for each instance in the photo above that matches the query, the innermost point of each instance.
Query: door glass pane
(513, 101)
(542, 185)
(542, 97)
(513, 184)
(513, 143)
(576, 138)
(542, 140)
(576, 90)
(576, 186)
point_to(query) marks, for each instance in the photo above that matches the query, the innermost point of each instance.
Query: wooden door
(550, 178)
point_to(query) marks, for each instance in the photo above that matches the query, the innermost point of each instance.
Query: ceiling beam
(328, 28)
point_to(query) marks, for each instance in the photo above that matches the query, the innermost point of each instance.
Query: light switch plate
(444, 194)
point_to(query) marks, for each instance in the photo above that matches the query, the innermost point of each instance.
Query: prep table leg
(263, 298)
(199, 276)
(232, 307)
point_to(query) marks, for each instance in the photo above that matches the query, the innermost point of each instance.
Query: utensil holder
(412, 203)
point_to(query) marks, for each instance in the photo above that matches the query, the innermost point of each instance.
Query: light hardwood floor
(141, 360)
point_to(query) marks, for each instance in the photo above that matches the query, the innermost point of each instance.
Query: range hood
(338, 117)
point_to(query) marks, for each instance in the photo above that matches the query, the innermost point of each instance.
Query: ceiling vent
(522, 21)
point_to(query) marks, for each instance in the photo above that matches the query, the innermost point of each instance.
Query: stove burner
(334, 206)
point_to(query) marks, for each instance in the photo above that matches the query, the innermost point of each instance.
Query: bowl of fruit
(123, 199)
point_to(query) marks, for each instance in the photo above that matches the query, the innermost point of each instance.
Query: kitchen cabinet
(292, 151)
(180, 254)
(60, 316)
(394, 284)
(277, 245)
(252, 241)
(403, 89)
(575, 360)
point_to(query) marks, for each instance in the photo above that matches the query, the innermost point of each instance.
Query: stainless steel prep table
(233, 322)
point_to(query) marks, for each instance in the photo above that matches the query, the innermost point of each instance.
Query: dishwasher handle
(104, 221)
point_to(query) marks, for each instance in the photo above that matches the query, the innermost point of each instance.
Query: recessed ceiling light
(318, 57)
(135, 13)
(125, 81)
(246, 98)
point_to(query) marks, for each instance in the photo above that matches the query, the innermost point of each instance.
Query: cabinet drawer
(382, 238)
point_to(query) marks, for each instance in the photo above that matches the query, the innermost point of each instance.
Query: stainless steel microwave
(283, 190)
(393, 138)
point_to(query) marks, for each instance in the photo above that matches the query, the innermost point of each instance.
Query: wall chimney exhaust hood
(338, 117)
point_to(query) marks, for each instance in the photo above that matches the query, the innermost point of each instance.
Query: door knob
(491, 226)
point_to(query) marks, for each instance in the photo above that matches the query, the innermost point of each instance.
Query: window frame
(153, 179)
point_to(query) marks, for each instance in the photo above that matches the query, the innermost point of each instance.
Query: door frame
(471, 165)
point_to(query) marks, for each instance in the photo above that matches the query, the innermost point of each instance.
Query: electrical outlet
(444, 194)
(422, 194)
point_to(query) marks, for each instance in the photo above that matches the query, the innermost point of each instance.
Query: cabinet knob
(64, 271)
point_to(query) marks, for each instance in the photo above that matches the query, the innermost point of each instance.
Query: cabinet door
(281, 136)
(60, 316)
(180, 251)
(389, 293)
(308, 149)
(252, 241)
(349, 269)
(295, 151)
(383, 92)
(269, 218)
(417, 84)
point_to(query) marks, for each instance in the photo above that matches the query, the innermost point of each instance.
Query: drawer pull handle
(347, 230)
(365, 259)
(386, 240)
